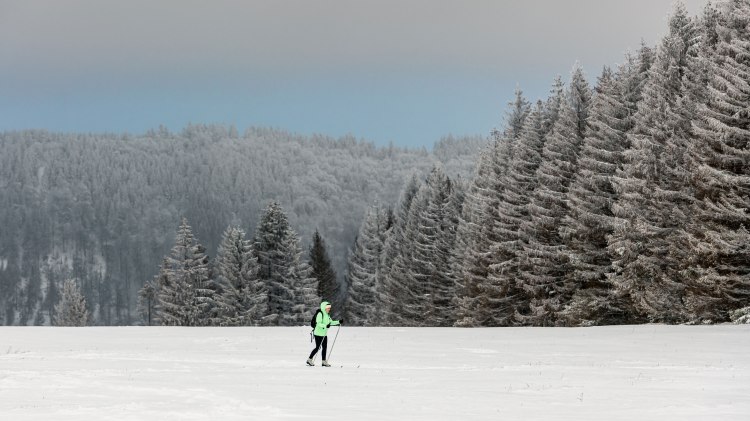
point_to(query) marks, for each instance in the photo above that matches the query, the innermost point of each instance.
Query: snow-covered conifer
(291, 295)
(654, 200)
(187, 298)
(718, 274)
(71, 309)
(229, 271)
(322, 271)
(391, 280)
(364, 264)
(543, 260)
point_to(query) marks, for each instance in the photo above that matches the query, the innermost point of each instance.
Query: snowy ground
(640, 373)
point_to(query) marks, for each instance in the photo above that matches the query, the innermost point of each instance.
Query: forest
(104, 209)
(622, 200)
(628, 202)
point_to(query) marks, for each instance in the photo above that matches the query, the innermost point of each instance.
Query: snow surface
(650, 372)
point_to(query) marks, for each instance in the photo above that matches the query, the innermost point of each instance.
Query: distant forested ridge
(104, 208)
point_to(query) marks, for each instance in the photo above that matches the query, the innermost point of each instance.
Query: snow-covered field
(649, 372)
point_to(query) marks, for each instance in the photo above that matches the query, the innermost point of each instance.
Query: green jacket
(323, 321)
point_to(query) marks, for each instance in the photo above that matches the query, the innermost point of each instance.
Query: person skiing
(322, 322)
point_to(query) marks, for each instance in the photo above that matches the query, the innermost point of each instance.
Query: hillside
(104, 208)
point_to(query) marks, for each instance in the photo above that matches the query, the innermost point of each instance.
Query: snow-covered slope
(650, 372)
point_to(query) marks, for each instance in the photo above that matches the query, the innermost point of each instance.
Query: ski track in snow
(649, 372)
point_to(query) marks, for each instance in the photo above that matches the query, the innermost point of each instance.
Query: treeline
(102, 208)
(628, 203)
(260, 282)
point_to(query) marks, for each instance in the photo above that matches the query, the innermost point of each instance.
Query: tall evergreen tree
(391, 283)
(488, 291)
(187, 298)
(364, 265)
(322, 271)
(71, 309)
(590, 197)
(654, 198)
(234, 262)
(471, 257)
(718, 274)
(290, 291)
(543, 259)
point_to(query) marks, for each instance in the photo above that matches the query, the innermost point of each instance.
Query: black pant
(318, 340)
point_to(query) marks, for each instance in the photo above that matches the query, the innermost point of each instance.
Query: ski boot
(310, 362)
(325, 363)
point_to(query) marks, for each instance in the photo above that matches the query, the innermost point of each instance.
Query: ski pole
(334, 341)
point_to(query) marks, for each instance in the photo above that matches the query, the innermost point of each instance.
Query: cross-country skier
(322, 322)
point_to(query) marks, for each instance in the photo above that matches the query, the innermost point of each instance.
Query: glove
(341, 322)
(329, 325)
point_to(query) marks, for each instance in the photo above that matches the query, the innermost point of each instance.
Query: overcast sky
(386, 70)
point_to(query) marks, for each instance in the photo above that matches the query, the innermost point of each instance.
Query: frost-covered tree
(71, 309)
(488, 288)
(147, 297)
(553, 104)
(235, 271)
(428, 284)
(543, 258)
(474, 237)
(515, 117)
(654, 199)
(187, 298)
(446, 201)
(364, 270)
(391, 284)
(290, 290)
(322, 271)
(590, 197)
(718, 275)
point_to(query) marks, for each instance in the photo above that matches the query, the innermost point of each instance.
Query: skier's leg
(325, 345)
(318, 339)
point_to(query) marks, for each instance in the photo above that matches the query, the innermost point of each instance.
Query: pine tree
(390, 284)
(474, 235)
(364, 260)
(445, 203)
(718, 274)
(322, 271)
(654, 198)
(488, 290)
(304, 287)
(230, 268)
(147, 299)
(590, 197)
(428, 287)
(71, 309)
(543, 259)
(187, 298)
(287, 285)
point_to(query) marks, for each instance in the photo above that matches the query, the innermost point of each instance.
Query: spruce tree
(590, 197)
(71, 309)
(187, 298)
(290, 292)
(654, 199)
(475, 236)
(488, 294)
(543, 259)
(364, 261)
(322, 271)
(718, 274)
(230, 269)
(391, 282)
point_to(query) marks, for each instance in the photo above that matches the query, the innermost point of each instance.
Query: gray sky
(406, 71)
